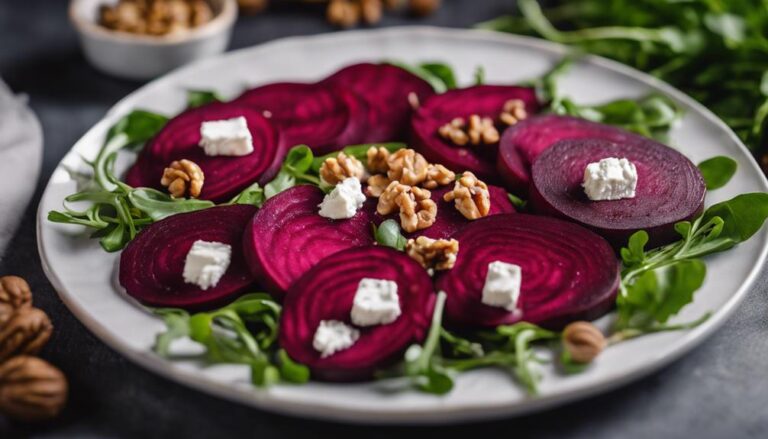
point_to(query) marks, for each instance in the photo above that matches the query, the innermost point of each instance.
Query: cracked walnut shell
(334, 170)
(26, 332)
(31, 389)
(15, 291)
(470, 196)
(182, 178)
(407, 166)
(583, 341)
(437, 254)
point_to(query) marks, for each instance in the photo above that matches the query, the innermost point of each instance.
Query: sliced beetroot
(225, 176)
(152, 265)
(568, 272)
(288, 236)
(324, 117)
(385, 88)
(522, 143)
(326, 292)
(669, 189)
(484, 100)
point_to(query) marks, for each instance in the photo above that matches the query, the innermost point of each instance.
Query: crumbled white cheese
(229, 137)
(333, 336)
(375, 302)
(206, 263)
(344, 200)
(502, 285)
(610, 179)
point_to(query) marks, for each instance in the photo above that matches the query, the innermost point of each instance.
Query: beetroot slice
(669, 189)
(225, 176)
(288, 236)
(152, 265)
(324, 117)
(522, 143)
(385, 88)
(568, 272)
(326, 292)
(484, 100)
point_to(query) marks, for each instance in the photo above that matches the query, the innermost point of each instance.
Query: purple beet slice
(225, 176)
(152, 265)
(288, 236)
(324, 117)
(385, 89)
(522, 143)
(484, 100)
(669, 189)
(326, 292)
(568, 272)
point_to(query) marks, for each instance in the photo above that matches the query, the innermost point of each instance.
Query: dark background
(719, 390)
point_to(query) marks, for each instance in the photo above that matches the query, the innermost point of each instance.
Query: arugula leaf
(177, 322)
(253, 195)
(158, 205)
(197, 98)
(717, 171)
(440, 76)
(442, 71)
(388, 234)
(296, 168)
(743, 215)
(420, 365)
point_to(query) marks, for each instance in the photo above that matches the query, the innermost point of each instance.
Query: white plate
(83, 273)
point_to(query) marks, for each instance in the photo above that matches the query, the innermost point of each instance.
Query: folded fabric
(21, 150)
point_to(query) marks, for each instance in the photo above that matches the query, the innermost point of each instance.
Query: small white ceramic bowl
(144, 57)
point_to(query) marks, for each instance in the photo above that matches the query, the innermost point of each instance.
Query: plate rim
(444, 415)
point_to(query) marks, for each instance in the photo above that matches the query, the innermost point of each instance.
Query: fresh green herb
(479, 75)
(717, 171)
(388, 234)
(714, 51)
(656, 284)
(253, 195)
(296, 169)
(197, 98)
(439, 75)
(243, 332)
(518, 202)
(357, 151)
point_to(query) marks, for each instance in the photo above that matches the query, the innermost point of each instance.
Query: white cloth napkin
(21, 151)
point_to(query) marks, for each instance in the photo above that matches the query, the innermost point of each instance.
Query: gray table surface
(718, 390)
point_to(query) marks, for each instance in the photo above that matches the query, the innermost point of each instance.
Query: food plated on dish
(383, 223)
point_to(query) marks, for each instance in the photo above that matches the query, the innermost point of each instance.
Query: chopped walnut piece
(470, 196)
(513, 112)
(371, 10)
(417, 210)
(343, 13)
(182, 178)
(387, 198)
(377, 160)
(377, 184)
(438, 175)
(479, 131)
(407, 166)
(437, 254)
(336, 169)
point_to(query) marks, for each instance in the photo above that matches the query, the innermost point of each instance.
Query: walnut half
(15, 292)
(470, 196)
(31, 389)
(407, 166)
(182, 178)
(26, 332)
(417, 210)
(334, 170)
(437, 254)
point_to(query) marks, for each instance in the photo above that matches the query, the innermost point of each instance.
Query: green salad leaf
(388, 234)
(717, 171)
(439, 75)
(197, 98)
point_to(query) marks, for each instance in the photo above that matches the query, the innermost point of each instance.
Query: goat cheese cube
(610, 179)
(344, 200)
(502, 285)
(229, 137)
(206, 263)
(333, 336)
(375, 302)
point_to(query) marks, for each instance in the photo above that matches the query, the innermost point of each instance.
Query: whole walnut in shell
(15, 291)
(26, 332)
(31, 389)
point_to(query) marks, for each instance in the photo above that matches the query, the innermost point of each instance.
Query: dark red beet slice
(484, 100)
(385, 88)
(152, 265)
(568, 272)
(225, 176)
(324, 117)
(326, 292)
(522, 143)
(288, 236)
(669, 189)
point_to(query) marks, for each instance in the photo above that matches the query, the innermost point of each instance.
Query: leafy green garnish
(243, 332)
(422, 366)
(516, 201)
(439, 75)
(197, 98)
(388, 234)
(717, 171)
(479, 75)
(296, 168)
